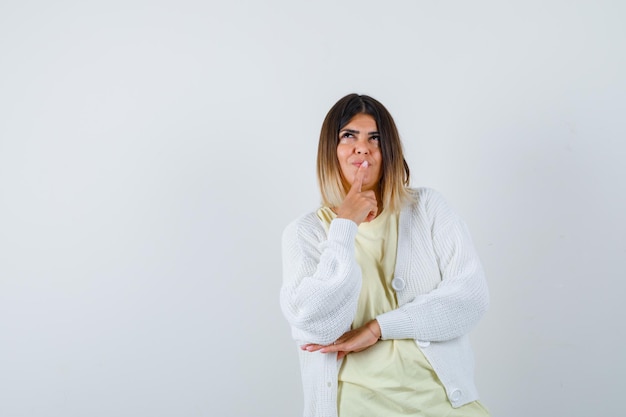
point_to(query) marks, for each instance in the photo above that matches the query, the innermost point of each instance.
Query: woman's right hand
(359, 206)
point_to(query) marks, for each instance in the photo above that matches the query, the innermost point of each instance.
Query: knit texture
(442, 294)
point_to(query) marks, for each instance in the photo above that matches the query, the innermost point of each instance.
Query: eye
(345, 136)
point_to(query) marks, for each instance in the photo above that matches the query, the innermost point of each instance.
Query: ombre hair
(394, 180)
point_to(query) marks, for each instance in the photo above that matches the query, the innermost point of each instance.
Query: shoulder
(424, 192)
(430, 205)
(426, 198)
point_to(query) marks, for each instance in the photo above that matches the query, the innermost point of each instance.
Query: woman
(382, 284)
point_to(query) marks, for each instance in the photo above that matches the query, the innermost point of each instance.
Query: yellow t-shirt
(391, 378)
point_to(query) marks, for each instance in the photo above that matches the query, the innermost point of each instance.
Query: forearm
(322, 282)
(443, 314)
(458, 302)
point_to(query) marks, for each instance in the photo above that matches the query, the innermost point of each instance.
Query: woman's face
(359, 141)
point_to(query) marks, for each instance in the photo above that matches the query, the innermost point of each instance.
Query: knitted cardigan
(439, 282)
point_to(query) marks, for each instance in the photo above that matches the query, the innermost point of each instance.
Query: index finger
(333, 348)
(311, 347)
(359, 176)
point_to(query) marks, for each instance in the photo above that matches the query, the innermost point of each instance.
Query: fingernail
(364, 164)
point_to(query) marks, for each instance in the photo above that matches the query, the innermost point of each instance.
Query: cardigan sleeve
(321, 279)
(460, 299)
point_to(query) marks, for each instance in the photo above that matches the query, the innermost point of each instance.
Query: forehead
(365, 121)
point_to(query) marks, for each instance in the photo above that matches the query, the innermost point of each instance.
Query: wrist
(374, 328)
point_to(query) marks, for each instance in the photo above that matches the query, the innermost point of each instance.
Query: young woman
(382, 284)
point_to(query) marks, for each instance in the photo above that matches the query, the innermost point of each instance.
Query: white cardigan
(439, 282)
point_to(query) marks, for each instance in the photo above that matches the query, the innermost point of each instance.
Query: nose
(361, 148)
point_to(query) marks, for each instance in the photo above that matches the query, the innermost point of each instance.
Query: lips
(358, 163)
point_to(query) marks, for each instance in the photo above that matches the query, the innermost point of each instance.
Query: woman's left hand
(355, 340)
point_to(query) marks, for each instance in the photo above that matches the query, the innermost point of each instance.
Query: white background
(151, 153)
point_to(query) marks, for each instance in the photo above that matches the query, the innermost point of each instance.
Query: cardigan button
(456, 395)
(398, 284)
(423, 343)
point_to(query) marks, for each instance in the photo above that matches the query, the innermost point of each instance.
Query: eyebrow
(357, 132)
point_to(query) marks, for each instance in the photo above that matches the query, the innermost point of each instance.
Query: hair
(395, 176)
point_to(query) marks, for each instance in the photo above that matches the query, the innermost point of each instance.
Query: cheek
(379, 166)
(342, 157)
(379, 173)
(379, 159)
(341, 162)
